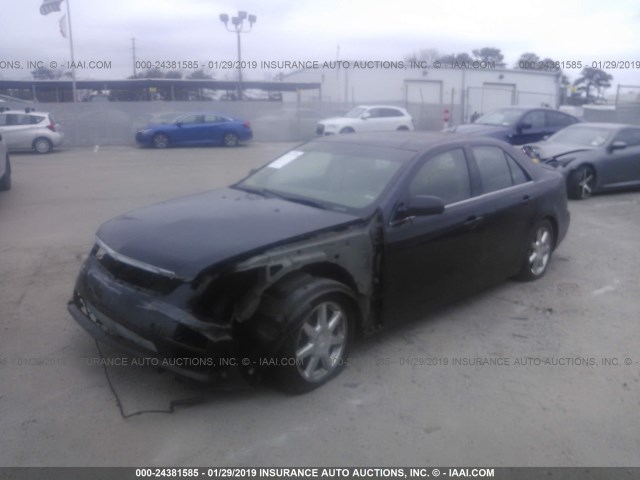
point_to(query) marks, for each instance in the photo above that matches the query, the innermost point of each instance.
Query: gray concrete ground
(563, 407)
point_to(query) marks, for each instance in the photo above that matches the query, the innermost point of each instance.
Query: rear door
(507, 206)
(214, 125)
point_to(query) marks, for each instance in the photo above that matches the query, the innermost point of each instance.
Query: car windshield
(332, 176)
(355, 112)
(504, 117)
(583, 135)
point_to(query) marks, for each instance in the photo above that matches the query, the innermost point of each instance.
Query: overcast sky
(295, 30)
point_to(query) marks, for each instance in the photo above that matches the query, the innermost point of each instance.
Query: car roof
(605, 125)
(379, 106)
(412, 141)
(25, 112)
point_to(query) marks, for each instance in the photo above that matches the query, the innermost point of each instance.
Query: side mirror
(365, 115)
(617, 145)
(423, 205)
(179, 124)
(545, 137)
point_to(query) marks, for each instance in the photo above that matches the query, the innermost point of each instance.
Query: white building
(464, 89)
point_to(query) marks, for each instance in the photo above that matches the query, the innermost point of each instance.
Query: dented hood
(189, 234)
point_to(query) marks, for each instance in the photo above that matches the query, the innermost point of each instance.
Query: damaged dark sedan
(337, 238)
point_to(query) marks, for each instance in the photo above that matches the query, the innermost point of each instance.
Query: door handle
(473, 222)
(526, 199)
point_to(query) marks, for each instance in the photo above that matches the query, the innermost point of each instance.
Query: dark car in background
(341, 236)
(195, 129)
(594, 157)
(517, 125)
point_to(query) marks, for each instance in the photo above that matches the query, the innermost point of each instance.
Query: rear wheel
(536, 260)
(581, 183)
(403, 128)
(42, 145)
(230, 140)
(160, 140)
(347, 130)
(5, 180)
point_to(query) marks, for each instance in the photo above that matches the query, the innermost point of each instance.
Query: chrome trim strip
(484, 195)
(135, 263)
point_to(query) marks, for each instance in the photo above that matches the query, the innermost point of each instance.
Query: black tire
(347, 130)
(230, 140)
(301, 308)
(160, 140)
(5, 181)
(42, 145)
(581, 183)
(403, 128)
(538, 254)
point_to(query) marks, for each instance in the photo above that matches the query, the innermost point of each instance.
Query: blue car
(518, 125)
(195, 129)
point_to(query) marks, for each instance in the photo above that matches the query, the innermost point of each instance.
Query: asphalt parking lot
(538, 374)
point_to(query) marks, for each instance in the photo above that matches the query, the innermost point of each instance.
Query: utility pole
(133, 48)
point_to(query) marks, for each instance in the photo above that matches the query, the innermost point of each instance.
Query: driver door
(430, 260)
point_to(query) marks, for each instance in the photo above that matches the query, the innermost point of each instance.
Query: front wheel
(318, 318)
(230, 140)
(403, 128)
(347, 130)
(538, 255)
(160, 140)
(581, 183)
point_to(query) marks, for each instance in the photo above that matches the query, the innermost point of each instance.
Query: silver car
(5, 166)
(30, 130)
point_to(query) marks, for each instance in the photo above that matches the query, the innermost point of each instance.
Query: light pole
(238, 28)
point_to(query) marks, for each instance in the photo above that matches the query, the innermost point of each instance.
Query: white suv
(365, 118)
(5, 166)
(30, 130)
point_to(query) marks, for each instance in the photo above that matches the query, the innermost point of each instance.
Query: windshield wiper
(265, 192)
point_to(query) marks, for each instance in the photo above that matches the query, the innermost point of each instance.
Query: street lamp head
(235, 21)
(224, 18)
(252, 19)
(242, 15)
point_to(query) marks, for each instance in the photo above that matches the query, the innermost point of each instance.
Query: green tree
(592, 78)
(44, 73)
(488, 54)
(200, 74)
(453, 58)
(176, 74)
(528, 61)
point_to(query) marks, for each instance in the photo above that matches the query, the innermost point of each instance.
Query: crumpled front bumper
(150, 325)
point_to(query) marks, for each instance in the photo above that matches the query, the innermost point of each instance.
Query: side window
(213, 119)
(631, 136)
(192, 119)
(445, 175)
(494, 169)
(375, 113)
(3, 119)
(391, 112)
(518, 175)
(557, 119)
(535, 118)
(35, 119)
